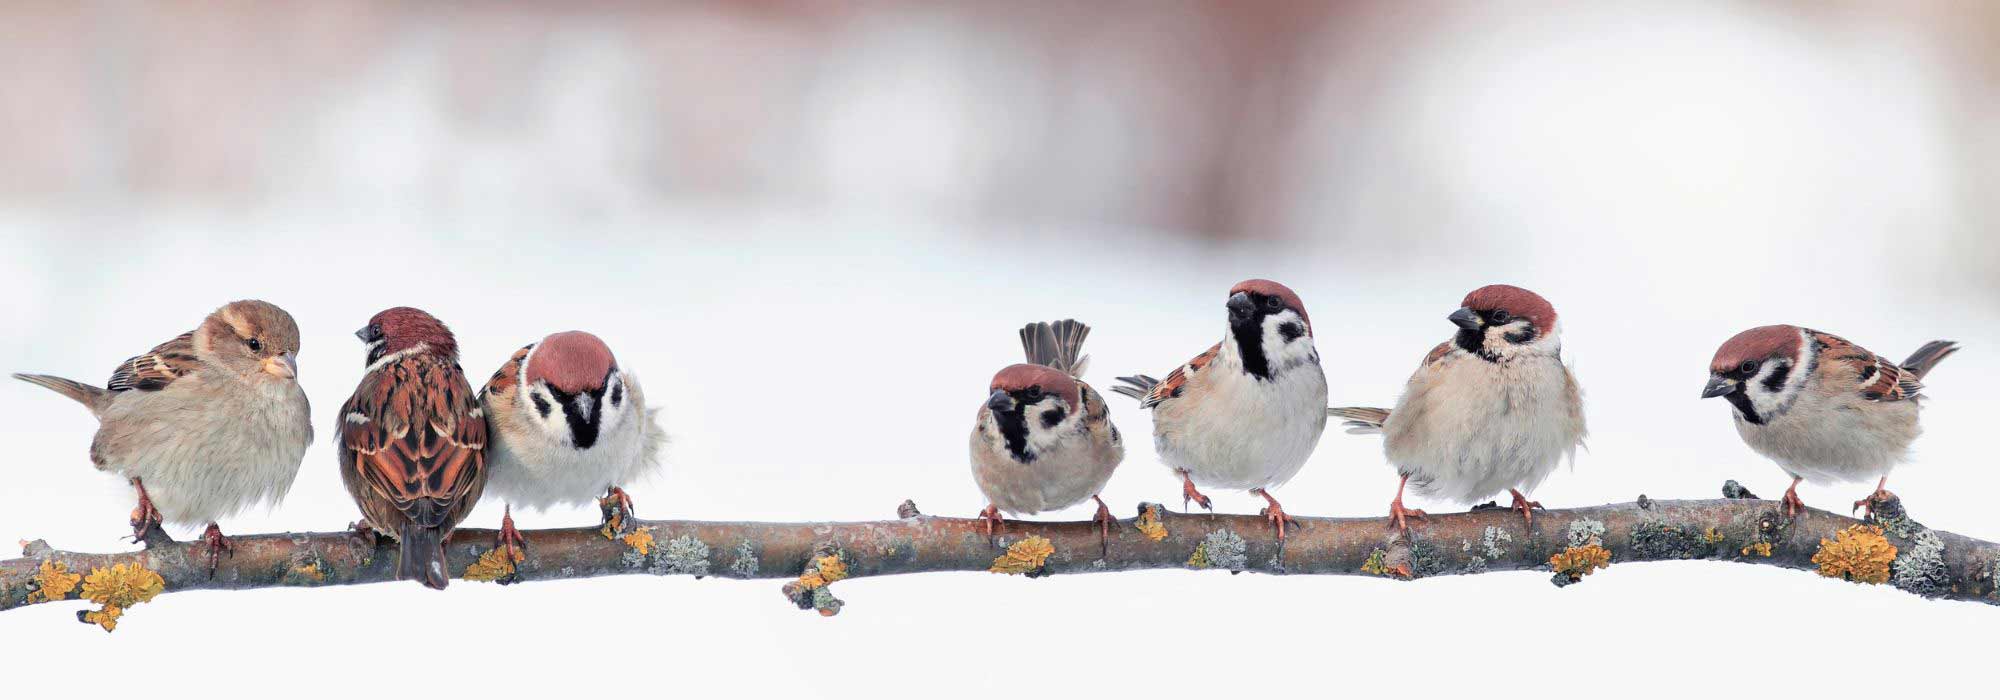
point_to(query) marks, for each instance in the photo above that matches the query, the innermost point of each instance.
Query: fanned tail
(1360, 420)
(91, 397)
(1138, 386)
(1058, 345)
(1920, 362)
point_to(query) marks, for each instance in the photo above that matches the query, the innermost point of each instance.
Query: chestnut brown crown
(403, 327)
(1273, 289)
(1517, 302)
(572, 362)
(1756, 345)
(1023, 377)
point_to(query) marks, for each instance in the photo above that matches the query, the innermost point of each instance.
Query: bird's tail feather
(1058, 345)
(1360, 420)
(1137, 386)
(91, 397)
(1920, 363)
(422, 556)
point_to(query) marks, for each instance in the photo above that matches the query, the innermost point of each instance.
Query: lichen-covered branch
(1888, 548)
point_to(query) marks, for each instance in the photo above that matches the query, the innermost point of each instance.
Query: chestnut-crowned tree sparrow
(205, 425)
(1493, 409)
(1247, 413)
(1044, 438)
(1824, 409)
(413, 440)
(567, 424)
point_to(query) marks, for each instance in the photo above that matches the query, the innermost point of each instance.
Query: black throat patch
(1249, 335)
(1014, 430)
(582, 431)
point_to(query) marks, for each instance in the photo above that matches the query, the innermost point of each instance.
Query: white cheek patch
(1284, 351)
(1041, 436)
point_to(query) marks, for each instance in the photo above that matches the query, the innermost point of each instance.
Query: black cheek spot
(540, 405)
(1776, 382)
(1291, 331)
(1053, 417)
(617, 394)
(1524, 335)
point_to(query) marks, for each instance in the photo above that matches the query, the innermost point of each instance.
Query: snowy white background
(1666, 176)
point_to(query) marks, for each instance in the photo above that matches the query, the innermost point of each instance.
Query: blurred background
(749, 200)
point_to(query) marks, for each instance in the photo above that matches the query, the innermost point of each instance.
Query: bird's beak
(1240, 306)
(286, 365)
(1718, 386)
(367, 334)
(1464, 318)
(1000, 401)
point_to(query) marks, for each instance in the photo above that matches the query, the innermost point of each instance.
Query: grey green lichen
(681, 555)
(1657, 539)
(1584, 531)
(1425, 560)
(1492, 547)
(1221, 549)
(1922, 569)
(745, 564)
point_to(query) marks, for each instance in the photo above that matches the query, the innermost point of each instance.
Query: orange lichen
(831, 568)
(53, 582)
(1378, 564)
(1023, 557)
(1149, 523)
(118, 588)
(1762, 549)
(640, 541)
(1713, 536)
(495, 564)
(1578, 562)
(1859, 553)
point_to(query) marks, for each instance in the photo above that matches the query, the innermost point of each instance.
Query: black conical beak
(369, 333)
(1464, 318)
(1240, 306)
(1718, 386)
(1000, 401)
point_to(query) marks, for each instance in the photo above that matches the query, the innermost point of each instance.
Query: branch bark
(1926, 562)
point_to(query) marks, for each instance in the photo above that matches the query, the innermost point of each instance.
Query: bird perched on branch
(413, 440)
(566, 424)
(1493, 409)
(1823, 408)
(1044, 438)
(204, 425)
(1246, 413)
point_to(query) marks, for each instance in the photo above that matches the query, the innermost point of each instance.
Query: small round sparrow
(205, 425)
(566, 425)
(1044, 438)
(413, 440)
(1248, 412)
(1823, 408)
(1493, 409)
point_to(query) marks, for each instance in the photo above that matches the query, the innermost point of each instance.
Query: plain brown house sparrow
(1493, 409)
(566, 424)
(1044, 438)
(413, 440)
(1823, 408)
(205, 425)
(1248, 412)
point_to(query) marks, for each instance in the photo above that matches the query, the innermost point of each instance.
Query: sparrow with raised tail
(204, 425)
(413, 440)
(567, 424)
(1248, 412)
(1493, 409)
(1823, 408)
(1044, 439)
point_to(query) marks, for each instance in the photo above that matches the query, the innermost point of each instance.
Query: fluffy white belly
(1260, 441)
(542, 474)
(200, 466)
(1476, 428)
(1076, 470)
(1827, 443)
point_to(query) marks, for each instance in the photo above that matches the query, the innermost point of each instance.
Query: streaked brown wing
(509, 375)
(1176, 382)
(422, 446)
(1438, 353)
(1876, 378)
(157, 368)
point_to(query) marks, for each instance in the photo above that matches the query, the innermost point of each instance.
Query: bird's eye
(253, 344)
(1035, 392)
(1748, 367)
(1274, 303)
(1501, 316)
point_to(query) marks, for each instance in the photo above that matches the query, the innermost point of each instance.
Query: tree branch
(1568, 543)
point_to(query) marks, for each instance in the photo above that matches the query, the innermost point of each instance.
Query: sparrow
(1043, 440)
(566, 424)
(413, 440)
(1493, 409)
(205, 425)
(1823, 408)
(1246, 413)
